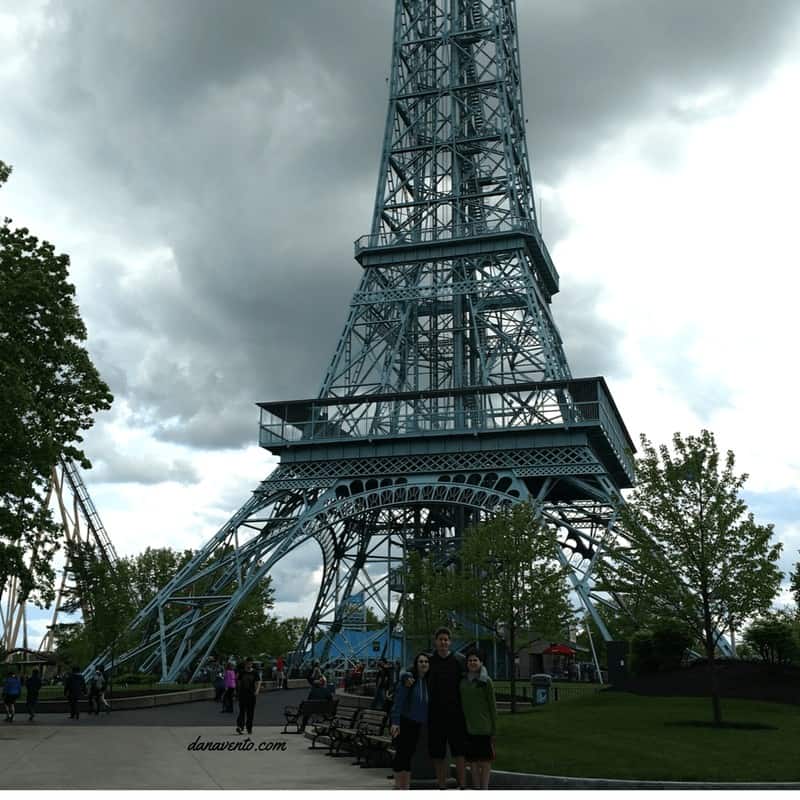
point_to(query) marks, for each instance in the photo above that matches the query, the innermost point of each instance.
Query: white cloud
(699, 269)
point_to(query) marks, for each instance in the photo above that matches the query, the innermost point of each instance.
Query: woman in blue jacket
(11, 692)
(409, 714)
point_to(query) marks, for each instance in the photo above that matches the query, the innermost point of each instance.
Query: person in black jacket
(248, 683)
(445, 716)
(74, 689)
(32, 686)
(383, 685)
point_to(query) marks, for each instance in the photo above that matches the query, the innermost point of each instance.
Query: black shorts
(478, 748)
(443, 729)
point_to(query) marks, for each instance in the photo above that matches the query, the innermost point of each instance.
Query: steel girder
(444, 324)
(454, 151)
(359, 525)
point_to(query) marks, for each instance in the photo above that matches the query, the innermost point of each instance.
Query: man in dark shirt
(445, 715)
(33, 685)
(74, 689)
(248, 682)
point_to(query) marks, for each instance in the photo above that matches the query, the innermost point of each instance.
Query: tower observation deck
(448, 395)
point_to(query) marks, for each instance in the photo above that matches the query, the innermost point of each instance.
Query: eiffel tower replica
(449, 395)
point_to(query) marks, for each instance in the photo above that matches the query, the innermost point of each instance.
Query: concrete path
(148, 749)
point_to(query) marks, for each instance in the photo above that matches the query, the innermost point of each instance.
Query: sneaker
(238, 729)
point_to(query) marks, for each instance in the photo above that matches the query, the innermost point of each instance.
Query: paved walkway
(148, 749)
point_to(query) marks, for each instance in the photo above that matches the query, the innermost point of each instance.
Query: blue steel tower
(449, 395)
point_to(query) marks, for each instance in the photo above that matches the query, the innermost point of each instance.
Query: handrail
(481, 409)
(456, 230)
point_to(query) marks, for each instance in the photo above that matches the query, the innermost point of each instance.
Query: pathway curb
(523, 780)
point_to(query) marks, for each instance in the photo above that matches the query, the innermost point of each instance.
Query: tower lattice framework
(449, 395)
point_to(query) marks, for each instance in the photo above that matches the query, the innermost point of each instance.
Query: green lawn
(617, 735)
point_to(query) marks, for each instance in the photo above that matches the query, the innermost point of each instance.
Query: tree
(251, 629)
(287, 635)
(510, 580)
(774, 637)
(661, 647)
(794, 585)
(51, 392)
(706, 561)
(429, 600)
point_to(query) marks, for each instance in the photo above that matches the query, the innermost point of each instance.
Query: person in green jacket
(480, 714)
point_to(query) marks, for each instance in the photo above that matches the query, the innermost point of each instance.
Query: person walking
(358, 674)
(446, 717)
(280, 675)
(315, 677)
(97, 684)
(248, 684)
(11, 692)
(383, 683)
(409, 713)
(74, 689)
(229, 681)
(480, 717)
(32, 687)
(219, 687)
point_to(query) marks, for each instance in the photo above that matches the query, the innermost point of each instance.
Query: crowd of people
(75, 689)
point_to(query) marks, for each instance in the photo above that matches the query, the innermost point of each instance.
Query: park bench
(368, 722)
(372, 738)
(325, 730)
(314, 710)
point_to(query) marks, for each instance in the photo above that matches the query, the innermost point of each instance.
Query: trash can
(540, 686)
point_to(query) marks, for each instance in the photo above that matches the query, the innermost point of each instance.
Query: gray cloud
(590, 341)
(119, 467)
(246, 137)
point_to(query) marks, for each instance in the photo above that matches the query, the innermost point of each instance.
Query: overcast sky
(207, 166)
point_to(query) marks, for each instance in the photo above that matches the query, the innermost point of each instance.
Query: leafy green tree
(774, 637)
(152, 569)
(284, 634)
(661, 647)
(510, 580)
(50, 394)
(105, 598)
(643, 659)
(794, 585)
(702, 555)
(429, 601)
(251, 629)
(72, 645)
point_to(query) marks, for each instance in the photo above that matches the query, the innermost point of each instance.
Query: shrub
(774, 637)
(643, 660)
(659, 648)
